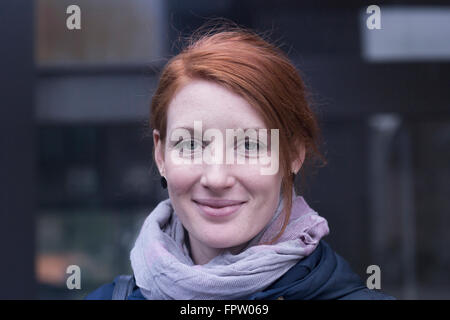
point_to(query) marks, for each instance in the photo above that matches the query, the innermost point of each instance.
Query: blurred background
(76, 169)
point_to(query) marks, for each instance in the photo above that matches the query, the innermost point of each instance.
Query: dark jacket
(323, 275)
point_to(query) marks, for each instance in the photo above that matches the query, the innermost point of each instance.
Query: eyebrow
(191, 130)
(186, 128)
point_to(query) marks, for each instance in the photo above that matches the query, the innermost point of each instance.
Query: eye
(250, 147)
(189, 145)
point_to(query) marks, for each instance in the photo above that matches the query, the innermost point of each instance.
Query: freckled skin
(219, 108)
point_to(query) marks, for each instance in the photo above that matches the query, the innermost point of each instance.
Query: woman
(231, 130)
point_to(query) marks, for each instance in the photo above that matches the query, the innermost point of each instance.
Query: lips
(218, 203)
(218, 207)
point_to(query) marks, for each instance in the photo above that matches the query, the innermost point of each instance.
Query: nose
(217, 176)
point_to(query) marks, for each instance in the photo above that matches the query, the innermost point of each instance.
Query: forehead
(214, 105)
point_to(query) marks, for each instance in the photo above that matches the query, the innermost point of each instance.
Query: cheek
(264, 188)
(264, 192)
(257, 183)
(181, 179)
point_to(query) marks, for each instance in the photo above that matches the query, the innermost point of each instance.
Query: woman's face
(196, 188)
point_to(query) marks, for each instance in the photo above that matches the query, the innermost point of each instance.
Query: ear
(159, 151)
(298, 161)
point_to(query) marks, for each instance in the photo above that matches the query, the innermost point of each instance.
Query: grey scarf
(164, 269)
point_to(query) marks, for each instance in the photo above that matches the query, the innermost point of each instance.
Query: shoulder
(367, 294)
(349, 286)
(102, 293)
(105, 292)
(323, 275)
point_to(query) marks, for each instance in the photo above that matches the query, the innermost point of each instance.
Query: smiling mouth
(215, 210)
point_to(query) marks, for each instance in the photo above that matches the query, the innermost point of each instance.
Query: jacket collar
(323, 275)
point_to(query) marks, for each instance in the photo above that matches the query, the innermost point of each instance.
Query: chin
(222, 242)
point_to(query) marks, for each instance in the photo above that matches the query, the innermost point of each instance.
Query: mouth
(218, 208)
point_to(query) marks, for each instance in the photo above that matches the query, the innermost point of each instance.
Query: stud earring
(163, 182)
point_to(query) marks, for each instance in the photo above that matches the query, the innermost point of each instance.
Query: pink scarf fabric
(304, 224)
(164, 270)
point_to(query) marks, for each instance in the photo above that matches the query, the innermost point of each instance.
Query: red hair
(245, 63)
